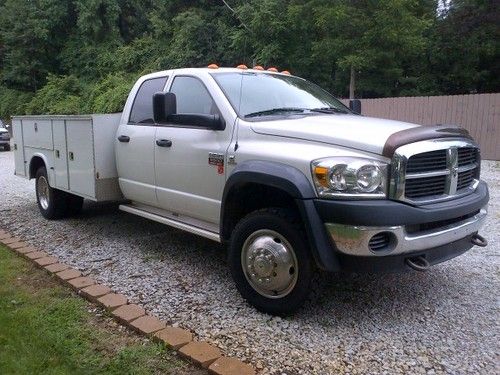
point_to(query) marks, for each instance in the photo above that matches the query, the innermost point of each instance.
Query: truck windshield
(265, 94)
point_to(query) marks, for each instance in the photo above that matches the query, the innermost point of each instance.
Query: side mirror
(355, 106)
(164, 105)
(214, 122)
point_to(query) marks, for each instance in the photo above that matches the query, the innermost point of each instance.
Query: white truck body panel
(361, 133)
(19, 157)
(77, 151)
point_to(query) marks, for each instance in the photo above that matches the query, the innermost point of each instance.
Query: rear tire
(51, 202)
(270, 260)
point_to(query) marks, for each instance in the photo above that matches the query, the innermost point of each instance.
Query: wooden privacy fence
(478, 113)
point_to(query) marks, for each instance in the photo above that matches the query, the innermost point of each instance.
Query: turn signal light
(213, 66)
(321, 174)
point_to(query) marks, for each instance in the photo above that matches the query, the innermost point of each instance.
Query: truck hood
(359, 132)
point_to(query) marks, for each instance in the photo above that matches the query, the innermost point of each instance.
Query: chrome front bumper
(354, 240)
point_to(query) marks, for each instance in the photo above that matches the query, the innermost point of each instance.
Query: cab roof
(209, 70)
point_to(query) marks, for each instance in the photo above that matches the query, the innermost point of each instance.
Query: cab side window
(192, 97)
(142, 109)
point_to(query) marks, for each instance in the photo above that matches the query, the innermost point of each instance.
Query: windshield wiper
(328, 110)
(275, 111)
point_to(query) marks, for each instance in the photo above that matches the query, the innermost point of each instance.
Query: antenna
(236, 15)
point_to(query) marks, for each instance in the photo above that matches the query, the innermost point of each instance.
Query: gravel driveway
(442, 321)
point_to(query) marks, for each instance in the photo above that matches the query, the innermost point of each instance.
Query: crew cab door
(134, 146)
(190, 160)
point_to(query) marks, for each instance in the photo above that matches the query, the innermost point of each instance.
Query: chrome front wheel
(270, 260)
(269, 263)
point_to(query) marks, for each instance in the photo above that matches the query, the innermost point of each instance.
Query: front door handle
(124, 138)
(164, 142)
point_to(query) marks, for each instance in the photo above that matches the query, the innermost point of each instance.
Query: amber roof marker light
(213, 66)
(258, 67)
(272, 69)
(286, 72)
(242, 66)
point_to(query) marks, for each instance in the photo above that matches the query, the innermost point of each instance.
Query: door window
(192, 97)
(142, 109)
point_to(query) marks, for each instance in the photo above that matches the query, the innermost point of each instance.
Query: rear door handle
(124, 138)
(164, 142)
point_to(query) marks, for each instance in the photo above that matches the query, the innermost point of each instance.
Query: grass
(46, 329)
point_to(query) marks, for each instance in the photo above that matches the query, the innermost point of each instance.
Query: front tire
(270, 260)
(51, 202)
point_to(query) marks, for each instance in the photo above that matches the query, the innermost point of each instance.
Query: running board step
(173, 223)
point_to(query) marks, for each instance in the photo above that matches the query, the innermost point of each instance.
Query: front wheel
(270, 261)
(51, 202)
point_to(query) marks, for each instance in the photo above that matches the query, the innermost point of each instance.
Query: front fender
(274, 174)
(293, 182)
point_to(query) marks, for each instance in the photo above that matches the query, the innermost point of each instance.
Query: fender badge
(215, 159)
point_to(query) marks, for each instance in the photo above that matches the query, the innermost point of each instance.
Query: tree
(465, 48)
(369, 40)
(30, 46)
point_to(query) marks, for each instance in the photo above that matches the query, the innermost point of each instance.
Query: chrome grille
(427, 161)
(429, 171)
(465, 179)
(422, 187)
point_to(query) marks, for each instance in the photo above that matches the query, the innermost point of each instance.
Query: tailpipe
(479, 240)
(418, 263)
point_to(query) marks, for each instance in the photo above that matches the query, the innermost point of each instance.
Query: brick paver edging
(131, 315)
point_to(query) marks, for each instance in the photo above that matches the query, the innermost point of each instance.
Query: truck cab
(276, 168)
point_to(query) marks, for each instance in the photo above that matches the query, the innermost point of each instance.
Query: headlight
(350, 177)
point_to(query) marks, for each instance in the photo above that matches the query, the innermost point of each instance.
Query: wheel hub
(269, 263)
(43, 192)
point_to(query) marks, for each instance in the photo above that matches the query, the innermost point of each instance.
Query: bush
(13, 102)
(109, 95)
(60, 96)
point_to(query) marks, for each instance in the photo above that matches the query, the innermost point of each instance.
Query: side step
(173, 223)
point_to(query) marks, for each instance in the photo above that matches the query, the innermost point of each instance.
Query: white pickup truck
(273, 166)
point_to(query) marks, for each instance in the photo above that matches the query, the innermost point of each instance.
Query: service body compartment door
(60, 154)
(37, 133)
(80, 157)
(19, 160)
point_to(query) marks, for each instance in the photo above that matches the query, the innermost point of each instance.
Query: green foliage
(13, 102)
(108, 95)
(390, 47)
(46, 329)
(60, 95)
